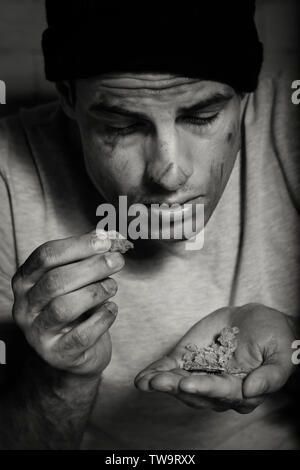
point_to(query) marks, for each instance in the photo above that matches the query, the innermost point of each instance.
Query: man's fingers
(166, 363)
(60, 252)
(265, 379)
(65, 279)
(248, 404)
(84, 335)
(225, 387)
(66, 308)
(210, 386)
(142, 380)
(167, 381)
(219, 393)
(200, 403)
(161, 381)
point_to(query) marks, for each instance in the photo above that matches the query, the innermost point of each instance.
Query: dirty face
(158, 138)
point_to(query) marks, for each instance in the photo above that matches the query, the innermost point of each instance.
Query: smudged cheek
(223, 155)
(114, 168)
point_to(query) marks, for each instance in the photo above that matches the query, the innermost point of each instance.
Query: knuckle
(45, 255)
(100, 291)
(80, 338)
(52, 282)
(16, 315)
(58, 310)
(93, 241)
(107, 261)
(16, 282)
(98, 241)
(51, 355)
(93, 290)
(43, 350)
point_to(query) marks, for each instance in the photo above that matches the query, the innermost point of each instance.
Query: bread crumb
(215, 358)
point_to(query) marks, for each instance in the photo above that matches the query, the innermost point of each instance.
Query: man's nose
(168, 164)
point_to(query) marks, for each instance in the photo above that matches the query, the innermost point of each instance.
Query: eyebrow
(215, 99)
(103, 107)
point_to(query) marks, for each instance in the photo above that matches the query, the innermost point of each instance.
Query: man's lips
(185, 208)
(160, 218)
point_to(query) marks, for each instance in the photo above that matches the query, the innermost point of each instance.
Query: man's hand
(264, 350)
(61, 305)
(61, 302)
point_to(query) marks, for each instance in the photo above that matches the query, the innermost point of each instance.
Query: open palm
(264, 351)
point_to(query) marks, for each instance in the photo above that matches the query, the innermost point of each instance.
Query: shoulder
(272, 124)
(15, 139)
(272, 99)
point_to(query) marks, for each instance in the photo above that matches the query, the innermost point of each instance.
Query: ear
(67, 96)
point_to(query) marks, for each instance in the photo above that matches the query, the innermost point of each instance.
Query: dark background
(21, 62)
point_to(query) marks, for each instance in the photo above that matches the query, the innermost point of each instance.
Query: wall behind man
(21, 63)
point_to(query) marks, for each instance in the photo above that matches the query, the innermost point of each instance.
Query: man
(162, 117)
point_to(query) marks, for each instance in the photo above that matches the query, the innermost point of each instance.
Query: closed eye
(199, 120)
(193, 120)
(125, 130)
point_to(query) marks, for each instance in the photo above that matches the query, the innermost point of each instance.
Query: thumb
(267, 378)
(164, 364)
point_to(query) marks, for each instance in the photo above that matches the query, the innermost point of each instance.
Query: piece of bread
(118, 242)
(216, 357)
(121, 245)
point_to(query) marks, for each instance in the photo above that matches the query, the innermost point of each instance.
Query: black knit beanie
(213, 40)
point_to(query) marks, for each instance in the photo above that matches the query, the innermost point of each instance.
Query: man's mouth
(174, 204)
(168, 219)
(183, 207)
(175, 214)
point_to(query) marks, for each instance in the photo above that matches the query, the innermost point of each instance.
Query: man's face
(158, 138)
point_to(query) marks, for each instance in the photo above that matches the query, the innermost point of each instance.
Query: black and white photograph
(149, 228)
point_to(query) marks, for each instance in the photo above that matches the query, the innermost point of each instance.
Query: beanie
(211, 39)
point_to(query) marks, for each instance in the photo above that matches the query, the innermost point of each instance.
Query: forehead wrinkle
(150, 76)
(138, 101)
(95, 89)
(140, 98)
(144, 106)
(140, 93)
(144, 80)
(178, 89)
(150, 87)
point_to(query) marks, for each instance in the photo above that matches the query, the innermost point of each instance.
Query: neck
(160, 251)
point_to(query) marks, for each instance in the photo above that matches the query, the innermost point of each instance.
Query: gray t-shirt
(250, 254)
